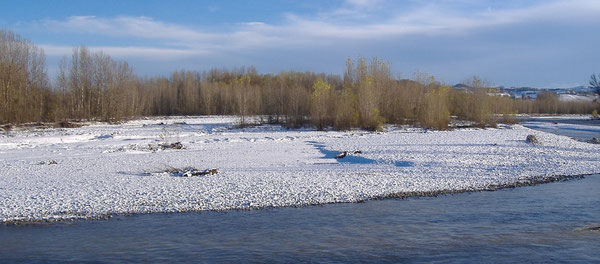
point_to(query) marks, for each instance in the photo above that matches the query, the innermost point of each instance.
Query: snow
(106, 169)
(574, 98)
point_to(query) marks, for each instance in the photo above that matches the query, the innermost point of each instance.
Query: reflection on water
(543, 223)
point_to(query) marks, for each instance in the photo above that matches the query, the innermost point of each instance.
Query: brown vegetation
(24, 85)
(93, 86)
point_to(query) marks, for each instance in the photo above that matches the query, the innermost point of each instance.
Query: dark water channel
(540, 224)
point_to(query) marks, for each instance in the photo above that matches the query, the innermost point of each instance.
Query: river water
(544, 223)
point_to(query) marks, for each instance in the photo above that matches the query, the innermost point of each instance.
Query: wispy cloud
(132, 52)
(125, 26)
(368, 22)
(426, 19)
(362, 3)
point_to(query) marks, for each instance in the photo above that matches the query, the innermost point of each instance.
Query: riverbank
(527, 224)
(102, 170)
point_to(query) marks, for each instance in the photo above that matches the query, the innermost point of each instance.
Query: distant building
(500, 94)
(527, 95)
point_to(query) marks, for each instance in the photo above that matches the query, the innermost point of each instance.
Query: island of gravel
(100, 169)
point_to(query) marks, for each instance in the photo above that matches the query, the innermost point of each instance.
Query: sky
(511, 43)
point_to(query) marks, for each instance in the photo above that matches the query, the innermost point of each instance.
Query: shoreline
(94, 172)
(531, 181)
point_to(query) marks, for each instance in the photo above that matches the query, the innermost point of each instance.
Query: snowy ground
(105, 169)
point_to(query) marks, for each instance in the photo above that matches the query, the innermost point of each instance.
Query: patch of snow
(574, 98)
(265, 166)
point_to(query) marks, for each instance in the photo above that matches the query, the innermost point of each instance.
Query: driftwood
(186, 172)
(176, 145)
(343, 154)
(195, 172)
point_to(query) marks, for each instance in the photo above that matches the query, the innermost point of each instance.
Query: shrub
(319, 104)
(433, 112)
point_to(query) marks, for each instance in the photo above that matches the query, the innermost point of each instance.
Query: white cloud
(363, 3)
(350, 22)
(125, 26)
(132, 52)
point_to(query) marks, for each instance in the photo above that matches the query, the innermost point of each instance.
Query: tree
(242, 98)
(93, 85)
(23, 80)
(475, 104)
(547, 102)
(433, 112)
(319, 103)
(595, 83)
(346, 113)
(368, 99)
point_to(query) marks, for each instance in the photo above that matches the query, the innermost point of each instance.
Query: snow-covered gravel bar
(102, 170)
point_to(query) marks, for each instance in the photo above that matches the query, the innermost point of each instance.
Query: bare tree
(434, 111)
(23, 80)
(319, 104)
(595, 83)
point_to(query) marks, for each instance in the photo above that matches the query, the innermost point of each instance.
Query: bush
(320, 103)
(433, 112)
(509, 118)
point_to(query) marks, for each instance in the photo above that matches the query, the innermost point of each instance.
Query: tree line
(93, 86)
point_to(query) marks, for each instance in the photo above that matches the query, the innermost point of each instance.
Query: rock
(357, 152)
(532, 139)
(341, 155)
(49, 162)
(594, 141)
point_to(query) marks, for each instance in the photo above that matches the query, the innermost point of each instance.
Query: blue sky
(511, 43)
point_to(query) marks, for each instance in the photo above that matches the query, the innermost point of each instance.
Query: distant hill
(578, 93)
(575, 98)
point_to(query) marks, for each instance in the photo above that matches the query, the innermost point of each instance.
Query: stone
(341, 155)
(594, 141)
(532, 139)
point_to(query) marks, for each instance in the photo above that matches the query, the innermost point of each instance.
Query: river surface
(561, 127)
(540, 224)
